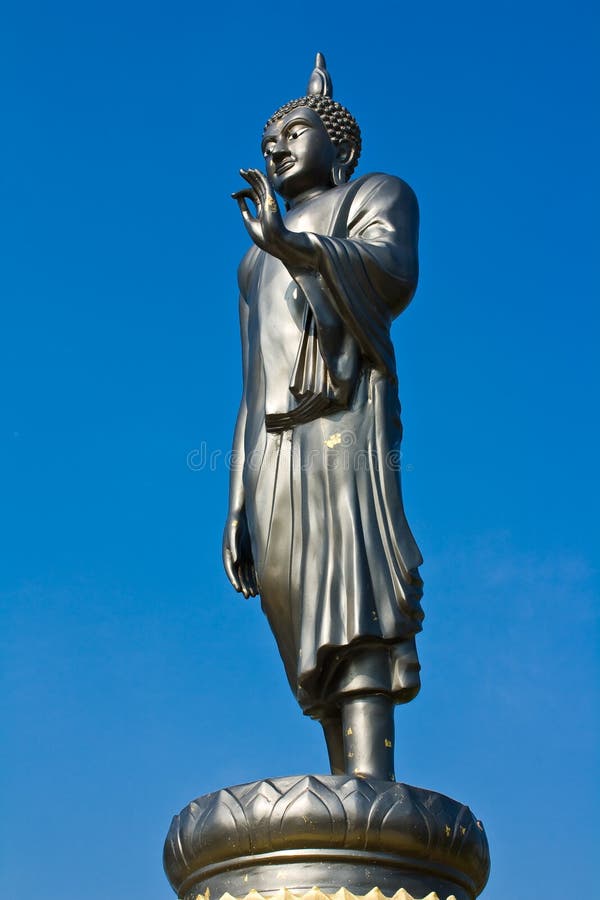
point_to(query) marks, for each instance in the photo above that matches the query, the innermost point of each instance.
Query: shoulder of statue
(385, 185)
(380, 195)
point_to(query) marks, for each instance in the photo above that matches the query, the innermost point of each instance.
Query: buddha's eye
(295, 132)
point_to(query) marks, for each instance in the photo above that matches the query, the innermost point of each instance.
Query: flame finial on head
(319, 83)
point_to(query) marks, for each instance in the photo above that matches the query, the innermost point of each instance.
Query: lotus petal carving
(325, 818)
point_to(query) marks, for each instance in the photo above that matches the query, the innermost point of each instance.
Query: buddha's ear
(345, 153)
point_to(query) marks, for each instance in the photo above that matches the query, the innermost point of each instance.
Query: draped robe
(336, 562)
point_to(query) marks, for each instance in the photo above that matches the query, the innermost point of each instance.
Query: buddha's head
(311, 143)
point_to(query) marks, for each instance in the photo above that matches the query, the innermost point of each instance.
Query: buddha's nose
(279, 153)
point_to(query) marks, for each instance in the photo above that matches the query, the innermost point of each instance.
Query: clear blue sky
(134, 678)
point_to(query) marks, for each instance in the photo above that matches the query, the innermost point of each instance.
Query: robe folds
(336, 562)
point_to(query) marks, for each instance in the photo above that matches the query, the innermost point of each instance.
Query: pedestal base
(334, 831)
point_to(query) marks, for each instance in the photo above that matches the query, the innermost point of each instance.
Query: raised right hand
(266, 227)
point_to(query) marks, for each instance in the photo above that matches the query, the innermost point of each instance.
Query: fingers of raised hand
(259, 182)
(250, 175)
(268, 197)
(241, 197)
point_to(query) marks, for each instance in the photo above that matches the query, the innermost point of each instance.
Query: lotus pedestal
(311, 836)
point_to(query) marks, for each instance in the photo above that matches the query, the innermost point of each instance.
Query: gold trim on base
(317, 894)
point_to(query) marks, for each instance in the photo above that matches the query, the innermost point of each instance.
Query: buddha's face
(299, 153)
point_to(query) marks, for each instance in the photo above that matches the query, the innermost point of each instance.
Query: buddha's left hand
(266, 227)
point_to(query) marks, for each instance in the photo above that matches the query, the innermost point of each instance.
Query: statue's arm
(379, 252)
(355, 280)
(366, 272)
(236, 488)
(380, 240)
(237, 553)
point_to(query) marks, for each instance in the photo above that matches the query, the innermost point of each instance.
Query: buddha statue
(316, 522)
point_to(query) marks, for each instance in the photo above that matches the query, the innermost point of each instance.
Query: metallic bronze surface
(316, 522)
(316, 525)
(330, 831)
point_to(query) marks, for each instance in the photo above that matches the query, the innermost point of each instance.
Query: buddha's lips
(284, 167)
